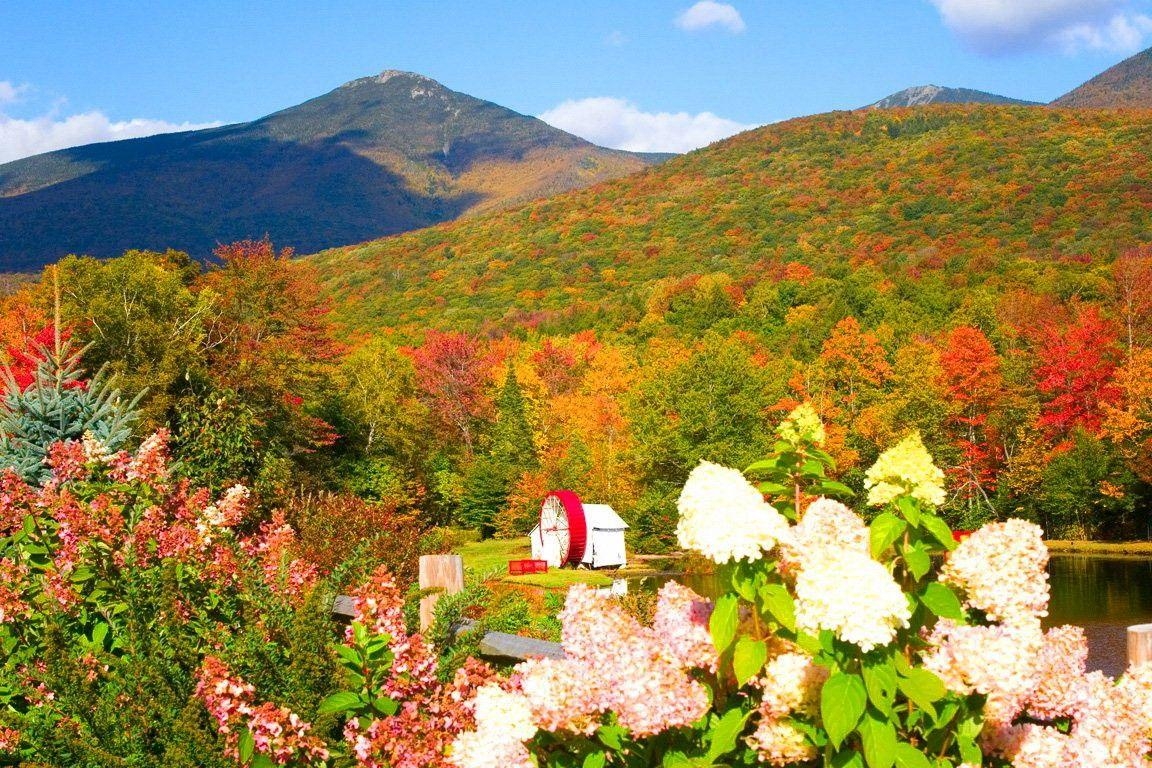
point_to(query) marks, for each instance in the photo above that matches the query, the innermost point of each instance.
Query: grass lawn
(492, 556)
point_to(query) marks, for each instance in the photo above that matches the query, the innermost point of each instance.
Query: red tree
(453, 372)
(971, 375)
(1076, 369)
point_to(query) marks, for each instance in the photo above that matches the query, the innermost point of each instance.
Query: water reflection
(1085, 589)
(1100, 590)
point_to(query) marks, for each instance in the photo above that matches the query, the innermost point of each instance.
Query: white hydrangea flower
(905, 468)
(724, 517)
(825, 524)
(1002, 570)
(852, 595)
(505, 712)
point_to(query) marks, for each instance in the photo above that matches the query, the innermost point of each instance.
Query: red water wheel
(562, 518)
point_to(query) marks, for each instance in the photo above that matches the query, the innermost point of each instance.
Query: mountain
(921, 95)
(1128, 84)
(376, 156)
(950, 193)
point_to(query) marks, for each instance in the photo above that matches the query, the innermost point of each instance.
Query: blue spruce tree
(58, 405)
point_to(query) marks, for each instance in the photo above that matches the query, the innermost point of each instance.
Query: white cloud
(1123, 34)
(620, 124)
(21, 138)
(709, 13)
(1002, 26)
(10, 92)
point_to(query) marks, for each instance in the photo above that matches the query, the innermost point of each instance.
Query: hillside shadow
(192, 191)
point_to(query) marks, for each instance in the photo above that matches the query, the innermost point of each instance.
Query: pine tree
(58, 405)
(493, 474)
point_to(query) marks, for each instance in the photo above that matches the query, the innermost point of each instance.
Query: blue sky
(630, 73)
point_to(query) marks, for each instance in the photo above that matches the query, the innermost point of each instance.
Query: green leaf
(813, 468)
(969, 751)
(246, 746)
(769, 488)
(885, 529)
(340, 702)
(99, 633)
(910, 510)
(350, 657)
(779, 605)
(748, 659)
(385, 705)
(880, 682)
(922, 688)
(760, 466)
(940, 531)
(842, 702)
(942, 601)
(878, 737)
(612, 736)
(722, 624)
(724, 732)
(595, 760)
(907, 756)
(847, 759)
(262, 761)
(919, 562)
(835, 488)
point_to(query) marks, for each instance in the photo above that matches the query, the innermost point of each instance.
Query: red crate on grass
(521, 567)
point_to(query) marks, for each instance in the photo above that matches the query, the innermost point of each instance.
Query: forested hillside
(951, 195)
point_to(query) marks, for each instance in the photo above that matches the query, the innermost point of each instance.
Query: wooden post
(441, 572)
(1140, 644)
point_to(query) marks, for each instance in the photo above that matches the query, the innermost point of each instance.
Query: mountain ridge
(1126, 85)
(375, 156)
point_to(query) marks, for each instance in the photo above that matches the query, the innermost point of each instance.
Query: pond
(1103, 594)
(1100, 590)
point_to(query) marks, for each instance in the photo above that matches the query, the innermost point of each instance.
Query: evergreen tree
(59, 405)
(511, 452)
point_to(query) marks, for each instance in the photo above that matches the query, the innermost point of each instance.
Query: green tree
(141, 320)
(59, 405)
(511, 452)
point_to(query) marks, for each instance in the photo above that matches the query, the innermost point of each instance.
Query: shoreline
(1075, 547)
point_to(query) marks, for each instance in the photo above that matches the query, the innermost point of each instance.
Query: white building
(575, 533)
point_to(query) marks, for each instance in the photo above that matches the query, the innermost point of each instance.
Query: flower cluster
(825, 525)
(276, 732)
(503, 724)
(1001, 571)
(725, 518)
(420, 733)
(1043, 709)
(12, 579)
(803, 423)
(612, 664)
(681, 621)
(283, 736)
(275, 547)
(379, 606)
(906, 468)
(831, 590)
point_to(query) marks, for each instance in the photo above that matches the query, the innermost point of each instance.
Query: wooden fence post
(444, 573)
(1140, 644)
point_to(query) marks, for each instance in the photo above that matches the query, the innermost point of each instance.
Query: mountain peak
(921, 95)
(392, 74)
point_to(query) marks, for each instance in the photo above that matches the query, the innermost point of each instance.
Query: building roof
(601, 517)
